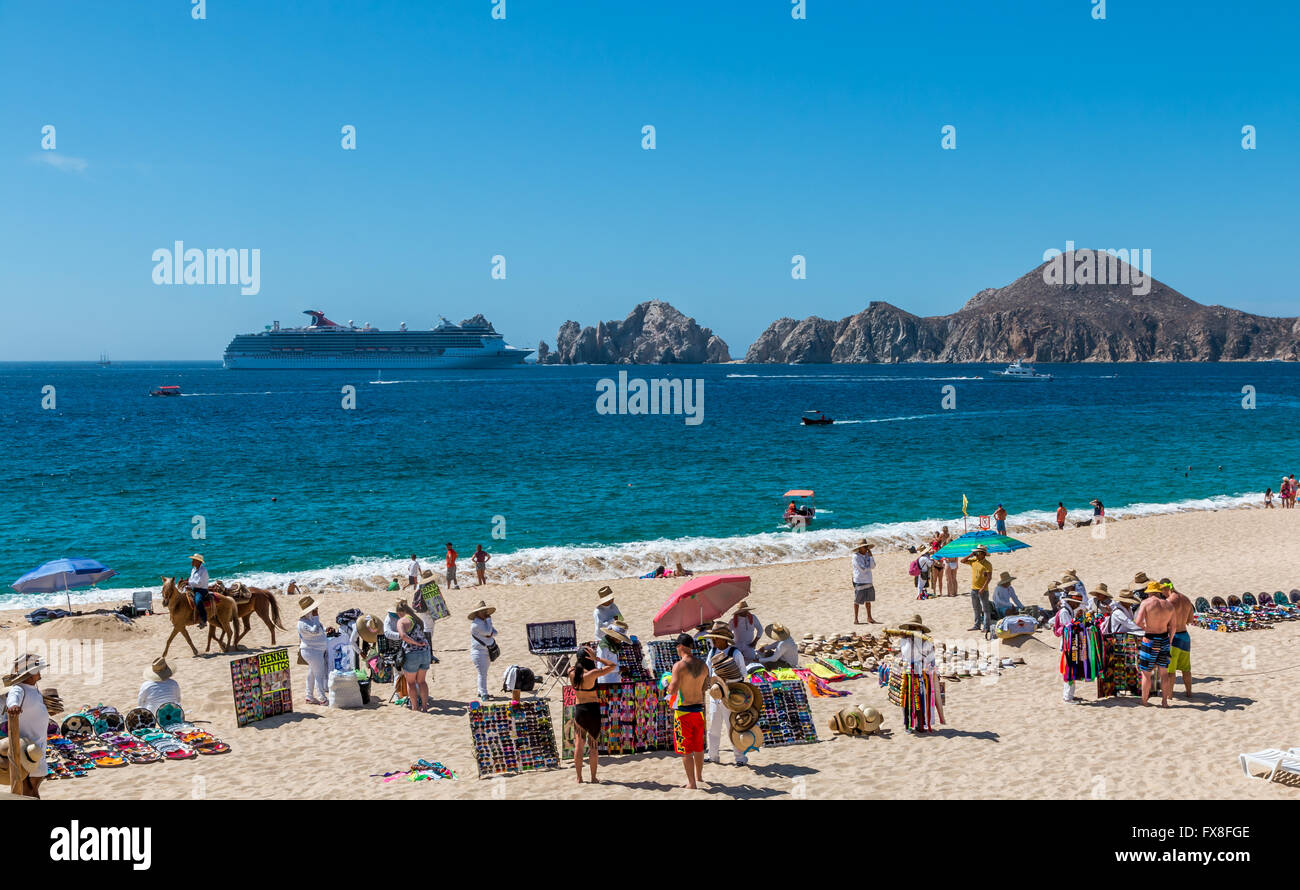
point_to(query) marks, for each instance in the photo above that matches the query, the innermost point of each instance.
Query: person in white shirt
(783, 652)
(313, 646)
(917, 662)
(1070, 601)
(413, 572)
(746, 629)
(607, 649)
(481, 635)
(1004, 596)
(158, 688)
(199, 587)
(1121, 616)
(721, 643)
(605, 612)
(864, 591)
(26, 707)
(1070, 581)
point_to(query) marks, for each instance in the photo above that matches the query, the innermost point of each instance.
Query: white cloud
(61, 161)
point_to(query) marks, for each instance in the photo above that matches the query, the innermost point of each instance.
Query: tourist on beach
(726, 662)
(917, 685)
(746, 630)
(981, 571)
(159, 687)
(1294, 491)
(782, 652)
(1156, 618)
(482, 639)
(1098, 511)
(413, 573)
(686, 691)
(394, 584)
(948, 581)
(1121, 639)
(26, 708)
(415, 656)
(584, 677)
(1180, 643)
(606, 611)
(199, 587)
(1000, 517)
(1060, 514)
(864, 591)
(1071, 608)
(924, 565)
(1268, 498)
(611, 636)
(451, 567)
(313, 645)
(1004, 596)
(480, 558)
(681, 572)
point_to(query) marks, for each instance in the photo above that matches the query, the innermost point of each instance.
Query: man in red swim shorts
(687, 685)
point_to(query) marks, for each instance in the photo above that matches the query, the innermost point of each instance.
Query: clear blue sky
(522, 137)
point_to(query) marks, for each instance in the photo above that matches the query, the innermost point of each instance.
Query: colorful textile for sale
(1081, 649)
(1120, 666)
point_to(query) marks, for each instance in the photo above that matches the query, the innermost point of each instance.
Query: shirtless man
(1156, 617)
(687, 683)
(1180, 644)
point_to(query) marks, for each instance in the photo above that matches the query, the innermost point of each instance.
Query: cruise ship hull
(449, 360)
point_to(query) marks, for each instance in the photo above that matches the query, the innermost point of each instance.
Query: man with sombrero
(864, 588)
(605, 611)
(726, 664)
(1062, 624)
(783, 652)
(981, 572)
(26, 706)
(159, 687)
(913, 682)
(746, 630)
(199, 588)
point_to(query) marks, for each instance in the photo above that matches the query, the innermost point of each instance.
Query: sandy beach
(1006, 738)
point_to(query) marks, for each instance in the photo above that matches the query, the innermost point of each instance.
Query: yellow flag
(964, 504)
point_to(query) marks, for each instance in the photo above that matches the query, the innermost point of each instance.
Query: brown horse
(255, 599)
(221, 613)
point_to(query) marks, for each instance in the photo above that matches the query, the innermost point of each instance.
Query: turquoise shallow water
(429, 457)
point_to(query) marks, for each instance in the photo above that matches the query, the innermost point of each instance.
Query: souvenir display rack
(786, 717)
(512, 737)
(261, 686)
(663, 655)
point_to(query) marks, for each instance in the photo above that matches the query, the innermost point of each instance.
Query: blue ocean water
(288, 483)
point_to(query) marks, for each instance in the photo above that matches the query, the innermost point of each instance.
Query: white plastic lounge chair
(1273, 760)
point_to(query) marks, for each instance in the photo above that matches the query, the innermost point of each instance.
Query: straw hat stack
(856, 722)
(957, 662)
(860, 651)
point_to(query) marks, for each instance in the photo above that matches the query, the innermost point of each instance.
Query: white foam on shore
(606, 562)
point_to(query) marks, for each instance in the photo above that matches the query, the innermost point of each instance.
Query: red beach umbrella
(700, 600)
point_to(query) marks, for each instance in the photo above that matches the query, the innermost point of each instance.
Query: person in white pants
(482, 636)
(722, 644)
(1070, 600)
(313, 647)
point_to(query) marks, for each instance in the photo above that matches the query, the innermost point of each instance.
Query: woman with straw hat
(26, 708)
(313, 647)
(913, 677)
(482, 643)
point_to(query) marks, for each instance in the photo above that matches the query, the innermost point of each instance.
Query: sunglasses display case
(786, 717)
(512, 737)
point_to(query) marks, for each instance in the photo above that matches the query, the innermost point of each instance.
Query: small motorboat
(1017, 370)
(798, 515)
(165, 391)
(816, 418)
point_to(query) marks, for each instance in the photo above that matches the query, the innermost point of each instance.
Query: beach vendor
(727, 663)
(1068, 624)
(746, 630)
(914, 684)
(864, 590)
(612, 635)
(483, 642)
(1070, 581)
(584, 677)
(1004, 596)
(1120, 640)
(981, 571)
(199, 587)
(159, 687)
(783, 652)
(313, 648)
(686, 694)
(413, 571)
(420, 605)
(605, 611)
(26, 705)
(365, 631)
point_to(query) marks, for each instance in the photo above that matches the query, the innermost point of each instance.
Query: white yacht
(1017, 370)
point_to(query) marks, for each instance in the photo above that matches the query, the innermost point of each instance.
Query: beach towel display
(785, 717)
(433, 599)
(261, 686)
(1119, 656)
(634, 718)
(1014, 626)
(513, 737)
(663, 655)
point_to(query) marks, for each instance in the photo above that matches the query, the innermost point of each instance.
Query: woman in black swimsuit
(586, 713)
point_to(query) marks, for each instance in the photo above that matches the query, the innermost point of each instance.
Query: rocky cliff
(654, 333)
(1041, 321)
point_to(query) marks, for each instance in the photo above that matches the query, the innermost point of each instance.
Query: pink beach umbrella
(700, 600)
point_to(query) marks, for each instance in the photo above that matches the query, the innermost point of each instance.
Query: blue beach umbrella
(64, 574)
(994, 542)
